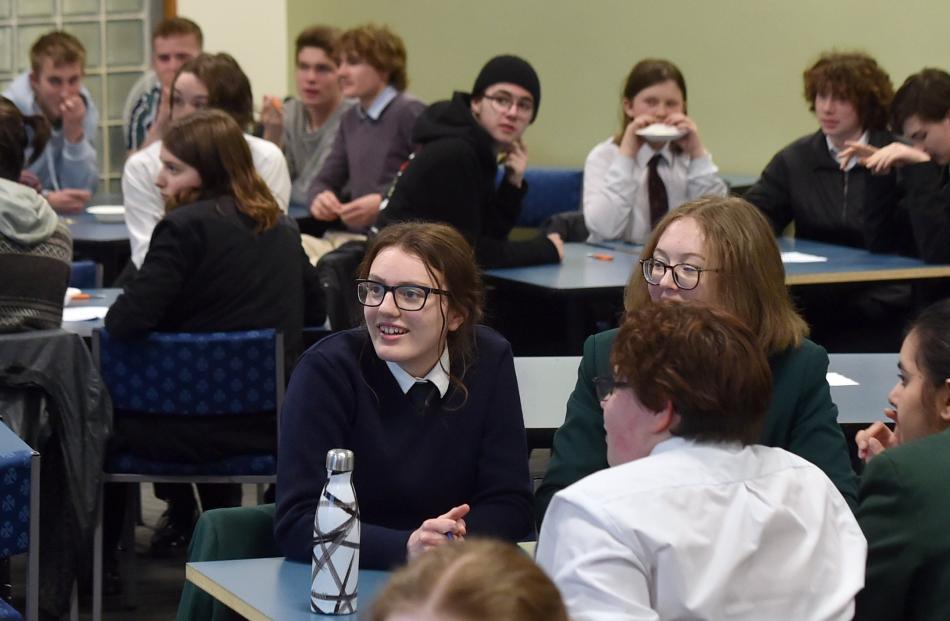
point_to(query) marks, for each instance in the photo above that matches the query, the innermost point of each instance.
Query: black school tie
(422, 395)
(656, 190)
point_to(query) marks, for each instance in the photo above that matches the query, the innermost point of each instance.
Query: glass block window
(116, 35)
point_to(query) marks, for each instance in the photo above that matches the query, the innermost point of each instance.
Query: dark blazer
(804, 184)
(928, 207)
(904, 511)
(801, 419)
(208, 269)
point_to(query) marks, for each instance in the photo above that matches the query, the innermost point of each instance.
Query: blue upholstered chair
(85, 275)
(550, 191)
(19, 514)
(190, 375)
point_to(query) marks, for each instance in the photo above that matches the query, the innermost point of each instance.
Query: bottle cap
(340, 460)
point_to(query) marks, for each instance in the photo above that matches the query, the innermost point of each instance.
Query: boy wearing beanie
(451, 177)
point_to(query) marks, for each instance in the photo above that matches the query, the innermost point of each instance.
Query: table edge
(903, 273)
(223, 595)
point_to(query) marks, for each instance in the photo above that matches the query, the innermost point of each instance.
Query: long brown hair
(751, 283)
(213, 144)
(646, 73)
(14, 138)
(472, 581)
(450, 262)
(227, 84)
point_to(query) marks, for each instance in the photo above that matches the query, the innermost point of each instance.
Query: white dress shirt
(616, 202)
(438, 375)
(144, 206)
(704, 531)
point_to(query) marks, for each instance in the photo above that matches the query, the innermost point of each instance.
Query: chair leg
(74, 602)
(97, 563)
(129, 582)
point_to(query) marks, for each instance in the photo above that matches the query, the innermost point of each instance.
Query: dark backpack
(337, 273)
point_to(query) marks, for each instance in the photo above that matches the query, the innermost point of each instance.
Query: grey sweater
(35, 255)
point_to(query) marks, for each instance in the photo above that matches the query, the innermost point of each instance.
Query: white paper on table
(802, 257)
(837, 379)
(84, 313)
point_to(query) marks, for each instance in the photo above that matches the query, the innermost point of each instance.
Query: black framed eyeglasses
(605, 386)
(685, 275)
(502, 103)
(406, 297)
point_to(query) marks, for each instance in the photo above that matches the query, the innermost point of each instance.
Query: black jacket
(451, 179)
(928, 207)
(804, 184)
(208, 270)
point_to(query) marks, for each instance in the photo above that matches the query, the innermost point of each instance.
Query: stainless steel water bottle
(336, 540)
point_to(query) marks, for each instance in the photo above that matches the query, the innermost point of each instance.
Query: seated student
(374, 138)
(35, 247)
(305, 126)
(66, 171)
(717, 250)
(921, 111)
(175, 41)
(630, 182)
(812, 183)
(830, 199)
(224, 258)
(470, 581)
(451, 178)
(902, 502)
(693, 520)
(206, 81)
(425, 398)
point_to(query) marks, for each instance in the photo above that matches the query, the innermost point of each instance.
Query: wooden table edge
(907, 273)
(226, 597)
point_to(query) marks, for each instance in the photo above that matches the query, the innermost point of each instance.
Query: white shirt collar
(646, 153)
(379, 104)
(854, 159)
(438, 375)
(678, 442)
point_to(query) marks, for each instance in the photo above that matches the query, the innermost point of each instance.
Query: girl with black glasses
(425, 398)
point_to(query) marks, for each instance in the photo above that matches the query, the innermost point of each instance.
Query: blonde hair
(751, 283)
(472, 581)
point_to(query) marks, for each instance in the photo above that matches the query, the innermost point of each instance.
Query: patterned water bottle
(336, 540)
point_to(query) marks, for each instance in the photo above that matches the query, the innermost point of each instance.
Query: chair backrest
(85, 275)
(550, 191)
(198, 374)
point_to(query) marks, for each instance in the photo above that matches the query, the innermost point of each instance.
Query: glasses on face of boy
(605, 386)
(502, 103)
(406, 297)
(685, 275)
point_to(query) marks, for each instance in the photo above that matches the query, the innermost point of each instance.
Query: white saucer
(107, 213)
(660, 132)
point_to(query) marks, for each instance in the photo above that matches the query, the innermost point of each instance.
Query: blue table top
(85, 228)
(273, 588)
(582, 271)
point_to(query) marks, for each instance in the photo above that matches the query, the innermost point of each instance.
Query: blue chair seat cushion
(242, 465)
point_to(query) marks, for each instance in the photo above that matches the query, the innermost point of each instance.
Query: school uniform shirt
(705, 531)
(616, 201)
(62, 165)
(143, 202)
(801, 418)
(409, 465)
(307, 149)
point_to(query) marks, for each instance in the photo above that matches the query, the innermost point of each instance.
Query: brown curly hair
(855, 77)
(704, 361)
